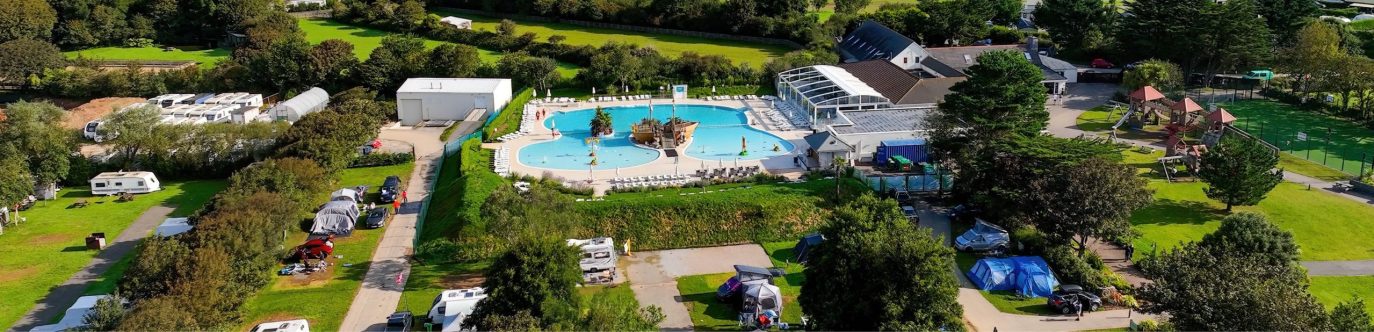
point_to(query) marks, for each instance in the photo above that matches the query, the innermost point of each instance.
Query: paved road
(1339, 268)
(983, 316)
(63, 296)
(653, 275)
(380, 294)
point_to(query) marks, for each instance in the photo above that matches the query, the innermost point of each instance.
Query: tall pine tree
(1070, 21)
(1240, 171)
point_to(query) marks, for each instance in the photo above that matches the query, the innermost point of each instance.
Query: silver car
(983, 237)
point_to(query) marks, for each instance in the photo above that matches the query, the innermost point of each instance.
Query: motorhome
(111, 183)
(168, 100)
(92, 129)
(452, 306)
(598, 254)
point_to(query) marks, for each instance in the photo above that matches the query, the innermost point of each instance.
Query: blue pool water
(717, 138)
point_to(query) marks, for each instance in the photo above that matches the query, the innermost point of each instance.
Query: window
(142, 184)
(100, 185)
(119, 184)
(904, 60)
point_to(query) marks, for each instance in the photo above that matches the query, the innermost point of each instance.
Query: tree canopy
(1163, 75)
(1091, 199)
(26, 19)
(1240, 171)
(877, 271)
(35, 130)
(1252, 234)
(1002, 97)
(1072, 21)
(534, 275)
(19, 59)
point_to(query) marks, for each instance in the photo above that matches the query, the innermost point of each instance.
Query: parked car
(983, 237)
(376, 218)
(1067, 298)
(909, 211)
(390, 189)
(1102, 63)
(399, 321)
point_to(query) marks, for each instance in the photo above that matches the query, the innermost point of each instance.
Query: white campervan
(452, 306)
(111, 183)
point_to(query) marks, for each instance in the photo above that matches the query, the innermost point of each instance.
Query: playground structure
(1186, 117)
(656, 134)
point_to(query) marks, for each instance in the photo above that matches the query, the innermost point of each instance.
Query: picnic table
(80, 203)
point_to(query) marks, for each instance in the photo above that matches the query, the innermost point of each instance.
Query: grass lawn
(1279, 124)
(206, 58)
(829, 10)
(699, 291)
(47, 249)
(329, 297)
(365, 39)
(1326, 226)
(671, 45)
(1331, 291)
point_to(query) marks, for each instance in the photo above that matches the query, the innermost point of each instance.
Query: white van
(111, 183)
(452, 306)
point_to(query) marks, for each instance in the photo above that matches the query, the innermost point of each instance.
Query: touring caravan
(299, 325)
(111, 183)
(452, 306)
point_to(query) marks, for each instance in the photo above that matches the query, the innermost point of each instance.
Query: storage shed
(310, 101)
(449, 99)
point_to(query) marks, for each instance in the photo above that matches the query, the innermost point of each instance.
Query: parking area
(653, 275)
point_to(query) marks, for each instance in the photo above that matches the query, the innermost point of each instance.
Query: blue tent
(1027, 275)
(802, 251)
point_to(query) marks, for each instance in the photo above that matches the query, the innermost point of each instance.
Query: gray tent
(347, 193)
(749, 275)
(760, 299)
(335, 217)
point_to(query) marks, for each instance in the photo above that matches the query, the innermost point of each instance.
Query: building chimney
(1033, 44)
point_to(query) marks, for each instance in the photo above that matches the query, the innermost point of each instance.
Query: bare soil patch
(95, 109)
(462, 281)
(18, 274)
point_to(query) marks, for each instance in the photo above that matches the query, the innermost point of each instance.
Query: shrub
(1072, 270)
(382, 159)
(437, 251)
(508, 121)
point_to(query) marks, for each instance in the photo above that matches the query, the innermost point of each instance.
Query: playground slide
(1129, 111)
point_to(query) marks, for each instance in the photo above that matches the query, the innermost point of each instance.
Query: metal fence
(913, 183)
(1315, 145)
(452, 149)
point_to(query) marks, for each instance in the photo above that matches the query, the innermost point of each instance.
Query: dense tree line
(184, 150)
(946, 22)
(34, 149)
(75, 24)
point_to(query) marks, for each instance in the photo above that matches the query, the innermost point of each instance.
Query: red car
(1102, 63)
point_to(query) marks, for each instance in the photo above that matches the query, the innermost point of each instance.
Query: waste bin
(96, 241)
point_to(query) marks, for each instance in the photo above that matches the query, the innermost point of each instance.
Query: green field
(325, 301)
(366, 39)
(206, 58)
(671, 45)
(708, 314)
(44, 251)
(873, 5)
(1331, 291)
(1279, 124)
(1325, 226)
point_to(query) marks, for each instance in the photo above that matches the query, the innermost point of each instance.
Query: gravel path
(653, 275)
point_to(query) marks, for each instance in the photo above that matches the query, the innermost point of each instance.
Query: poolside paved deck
(684, 164)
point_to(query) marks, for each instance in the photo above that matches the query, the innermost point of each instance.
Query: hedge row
(508, 121)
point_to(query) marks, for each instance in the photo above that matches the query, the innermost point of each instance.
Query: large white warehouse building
(445, 99)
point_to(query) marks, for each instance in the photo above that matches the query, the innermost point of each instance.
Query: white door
(412, 111)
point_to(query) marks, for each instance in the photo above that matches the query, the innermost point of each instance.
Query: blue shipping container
(913, 149)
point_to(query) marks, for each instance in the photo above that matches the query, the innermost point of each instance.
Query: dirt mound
(95, 109)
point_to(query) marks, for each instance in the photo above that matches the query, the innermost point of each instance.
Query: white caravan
(111, 183)
(452, 306)
(299, 325)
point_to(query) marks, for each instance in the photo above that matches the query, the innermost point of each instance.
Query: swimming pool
(717, 138)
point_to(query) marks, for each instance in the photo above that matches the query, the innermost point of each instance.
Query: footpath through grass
(1331, 141)
(50, 247)
(755, 54)
(324, 298)
(708, 314)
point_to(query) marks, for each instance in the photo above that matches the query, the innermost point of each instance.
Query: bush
(1029, 240)
(437, 251)
(1072, 270)
(138, 42)
(1005, 35)
(508, 121)
(383, 159)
